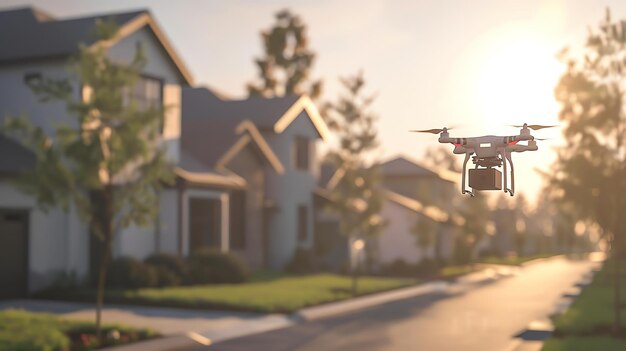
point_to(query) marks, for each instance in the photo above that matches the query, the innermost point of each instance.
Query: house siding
(397, 241)
(290, 190)
(57, 242)
(248, 166)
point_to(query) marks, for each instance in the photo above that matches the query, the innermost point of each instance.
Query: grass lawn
(265, 293)
(455, 271)
(592, 312)
(26, 331)
(512, 261)
(586, 325)
(599, 343)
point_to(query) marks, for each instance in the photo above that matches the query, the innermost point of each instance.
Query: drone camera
(485, 179)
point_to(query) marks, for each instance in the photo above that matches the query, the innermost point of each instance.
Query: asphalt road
(483, 317)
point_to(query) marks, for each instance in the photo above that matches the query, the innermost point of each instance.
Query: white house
(415, 193)
(36, 246)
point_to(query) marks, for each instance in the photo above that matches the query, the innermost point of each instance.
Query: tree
(108, 164)
(288, 60)
(425, 231)
(475, 212)
(357, 198)
(590, 171)
(440, 157)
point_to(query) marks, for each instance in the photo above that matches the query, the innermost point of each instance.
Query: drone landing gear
(463, 189)
(507, 157)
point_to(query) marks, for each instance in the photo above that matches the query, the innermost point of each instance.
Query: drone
(491, 152)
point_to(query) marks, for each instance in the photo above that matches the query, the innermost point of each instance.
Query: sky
(479, 64)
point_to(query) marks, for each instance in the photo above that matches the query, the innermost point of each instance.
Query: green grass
(513, 260)
(265, 293)
(27, 331)
(455, 271)
(592, 312)
(586, 325)
(281, 294)
(599, 343)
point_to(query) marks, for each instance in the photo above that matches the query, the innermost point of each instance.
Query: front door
(13, 253)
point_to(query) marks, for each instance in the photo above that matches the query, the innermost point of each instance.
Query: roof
(432, 212)
(15, 158)
(273, 114)
(213, 139)
(401, 166)
(29, 33)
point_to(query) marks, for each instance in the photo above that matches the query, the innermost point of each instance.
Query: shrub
(427, 267)
(399, 268)
(171, 270)
(302, 262)
(129, 273)
(208, 266)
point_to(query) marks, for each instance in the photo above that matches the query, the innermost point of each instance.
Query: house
(271, 145)
(414, 195)
(36, 247)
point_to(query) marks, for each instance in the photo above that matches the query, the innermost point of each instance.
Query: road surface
(483, 317)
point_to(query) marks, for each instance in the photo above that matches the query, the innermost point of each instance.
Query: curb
(359, 303)
(173, 342)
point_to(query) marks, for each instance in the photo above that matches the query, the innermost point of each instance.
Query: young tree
(590, 170)
(108, 164)
(357, 198)
(475, 212)
(288, 60)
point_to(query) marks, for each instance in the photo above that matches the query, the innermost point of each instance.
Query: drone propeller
(432, 131)
(543, 139)
(533, 126)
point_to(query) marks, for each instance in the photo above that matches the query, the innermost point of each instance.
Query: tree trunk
(105, 222)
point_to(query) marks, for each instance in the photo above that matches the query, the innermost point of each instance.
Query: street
(483, 317)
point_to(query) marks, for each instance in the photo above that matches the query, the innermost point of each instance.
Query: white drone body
(490, 152)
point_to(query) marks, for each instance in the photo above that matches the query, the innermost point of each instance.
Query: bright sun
(515, 75)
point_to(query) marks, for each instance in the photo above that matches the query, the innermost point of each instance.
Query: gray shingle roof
(28, 33)
(15, 158)
(405, 167)
(208, 123)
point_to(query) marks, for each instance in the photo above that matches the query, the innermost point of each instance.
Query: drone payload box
(485, 179)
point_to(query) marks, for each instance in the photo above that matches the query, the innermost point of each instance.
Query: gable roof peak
(401, 165)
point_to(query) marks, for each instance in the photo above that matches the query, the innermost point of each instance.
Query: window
(301, 153)
(146, 93)
(238, 219)
(303, 228)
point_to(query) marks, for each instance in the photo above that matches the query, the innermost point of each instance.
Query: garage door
(13, 253)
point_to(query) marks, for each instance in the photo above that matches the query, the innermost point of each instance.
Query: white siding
(397, 241)
(290, 190)
(57, 242)
(168, 218)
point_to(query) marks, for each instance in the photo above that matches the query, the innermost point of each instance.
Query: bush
(207, 266)
(399, 268)
(427, 267)
(129, 273)
(171, 270)
(302, 262)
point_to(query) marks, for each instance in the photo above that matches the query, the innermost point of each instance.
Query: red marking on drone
(514, 142)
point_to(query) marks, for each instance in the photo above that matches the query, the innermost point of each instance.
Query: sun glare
(514, 79)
